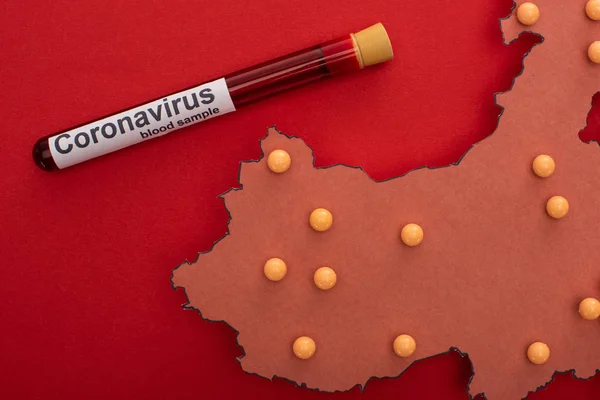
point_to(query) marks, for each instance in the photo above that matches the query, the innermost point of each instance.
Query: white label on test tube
(141, 123)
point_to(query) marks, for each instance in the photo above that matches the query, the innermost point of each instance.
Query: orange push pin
(543, 166)
(321, 220)
(592, 9)
(275, 269)
(325, 278)
(404, 346)
(528, 13)
(589, 309)
(557, 207)
(304, 347)
(279, 161)
(412, 235)
(538, 353)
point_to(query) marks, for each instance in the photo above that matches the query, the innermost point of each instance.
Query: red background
(86, 304)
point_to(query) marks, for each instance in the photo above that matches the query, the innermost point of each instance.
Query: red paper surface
(86, 302)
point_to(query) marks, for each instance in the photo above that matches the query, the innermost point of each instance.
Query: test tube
(156, 118)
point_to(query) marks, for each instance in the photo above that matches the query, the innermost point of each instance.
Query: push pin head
(304, 347)
(589, 309)
(557, 207)
(538, 353)
(275, 269)
(543, 166)
(412, 235)
(592, 9)
(325, 278)
(594, 52)
(279, 161)
(528, 13)
(321, 220)
(404, 346)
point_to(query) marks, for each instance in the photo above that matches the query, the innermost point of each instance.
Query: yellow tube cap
(373, 45)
